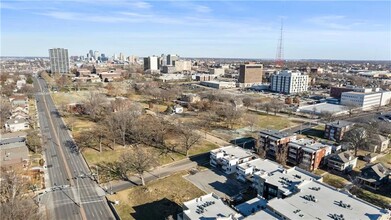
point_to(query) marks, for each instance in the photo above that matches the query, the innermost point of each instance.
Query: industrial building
(59, 60)
(219, 84)
(289, 82)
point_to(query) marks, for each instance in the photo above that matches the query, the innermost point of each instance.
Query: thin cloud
(330, 21)
(202, 9)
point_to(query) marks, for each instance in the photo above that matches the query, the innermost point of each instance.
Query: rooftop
(232, 151)
(208, 207)
(261, 165)
(316, 200)
(340, 123)
(251, 206)
(276, 133)
(323, 107)
(344, 157)
(288, 180)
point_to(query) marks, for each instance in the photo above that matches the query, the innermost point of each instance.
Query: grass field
(334, 180)
(273, 122)
(157, 200)
(315, 132)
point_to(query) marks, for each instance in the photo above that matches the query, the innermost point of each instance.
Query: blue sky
(245, 29)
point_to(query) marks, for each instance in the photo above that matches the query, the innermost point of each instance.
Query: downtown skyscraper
(59, 60)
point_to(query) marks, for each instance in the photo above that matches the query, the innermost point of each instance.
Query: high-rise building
(96, 55)
(121, 56)
(289, 82)
(59, 60)
(250, 74)
(182, 65)
(151, 63)
(91, 52)
(171, 58)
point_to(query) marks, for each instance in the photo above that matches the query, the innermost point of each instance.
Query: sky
(346, 30)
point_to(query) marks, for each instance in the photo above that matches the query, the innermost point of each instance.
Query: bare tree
(139, 160)
(276, 105)
(251, 120)
(281, 154)
(188, 137)
(356, 138)
(33, 141)
(229, 114)
(84, 140)
(351, 108)
(248, 102)
(327, 116)
(93, 104)
(5, 110)
(15, 202)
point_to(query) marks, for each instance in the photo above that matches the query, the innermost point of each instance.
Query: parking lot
(217, 182)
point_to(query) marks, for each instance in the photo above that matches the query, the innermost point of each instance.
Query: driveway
(217, 182)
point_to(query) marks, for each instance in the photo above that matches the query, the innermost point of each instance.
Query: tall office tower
(151, 63)
(59, 60)
(289, 82)
(250, 74)
(171, 59)
(91, 52)
(121, 56)
(96, 55)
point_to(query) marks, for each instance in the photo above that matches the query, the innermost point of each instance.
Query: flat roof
(323, 107)
(232, 151)
(340, 123)
(276, 133)
(261, 165)
(251, 206)
(326, 201)
(208, 207)
(288, 180)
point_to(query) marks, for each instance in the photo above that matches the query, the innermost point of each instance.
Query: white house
(13, 125)
(227, 158)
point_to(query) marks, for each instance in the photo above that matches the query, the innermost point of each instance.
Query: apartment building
(209, 206)
(272, 140)
(307, 153)
(59, 60)
(229, 157)
(250, 75)
(281, 183)
(289, 82)
(335, 130)
(245, 171)
(316, 200)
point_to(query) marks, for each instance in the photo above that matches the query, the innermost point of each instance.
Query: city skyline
(224, 29)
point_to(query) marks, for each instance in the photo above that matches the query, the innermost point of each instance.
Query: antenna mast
(280, 48)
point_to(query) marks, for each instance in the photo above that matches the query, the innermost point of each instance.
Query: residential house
(374, 176)
(245, 171)
(20, 83)
(335, 130)
(13, 125)
(378, 143)
(19, 100)
(229, 157)
(14, 153)
(109, 76)
(208, 206)
(272, 141)
(281, 183)
(342, 162)
(307, 153)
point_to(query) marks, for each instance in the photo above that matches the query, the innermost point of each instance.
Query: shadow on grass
(314, 132)
(160, 209)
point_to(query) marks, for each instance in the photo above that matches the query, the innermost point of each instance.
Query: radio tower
(280, 49)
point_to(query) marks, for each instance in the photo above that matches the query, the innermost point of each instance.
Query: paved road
(71, 191)
(161, 172)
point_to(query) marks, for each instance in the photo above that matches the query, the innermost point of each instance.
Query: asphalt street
(72, 192)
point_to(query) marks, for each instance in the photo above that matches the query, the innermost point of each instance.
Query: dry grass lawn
(157, 200)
